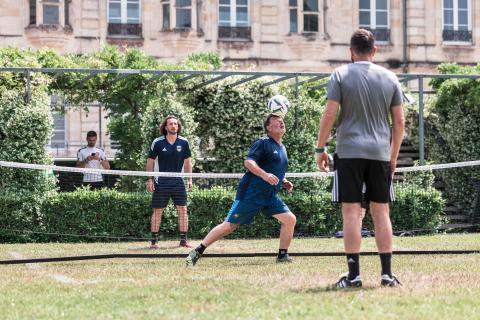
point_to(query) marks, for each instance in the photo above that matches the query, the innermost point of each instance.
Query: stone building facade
(262, 35)
(269, 35)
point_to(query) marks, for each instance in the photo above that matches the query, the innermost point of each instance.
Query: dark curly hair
(164, 124)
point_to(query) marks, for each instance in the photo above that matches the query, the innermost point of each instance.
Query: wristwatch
(321, 150)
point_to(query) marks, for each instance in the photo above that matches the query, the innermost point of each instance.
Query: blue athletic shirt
(169, 157)
(272, 158)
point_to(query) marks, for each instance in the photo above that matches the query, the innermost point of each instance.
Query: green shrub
(20, 212)
(116, 215)
(27, 128)
(417, 208)
(229, 121)
(452, 131)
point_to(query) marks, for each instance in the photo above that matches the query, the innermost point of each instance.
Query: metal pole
(28, 93)
(421, 133)
(405, 37)
(296, 102)
(100, 126)
(296, 87)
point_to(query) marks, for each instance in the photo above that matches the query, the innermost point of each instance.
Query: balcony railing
(234, 32)
(125, 29)
(457, 35)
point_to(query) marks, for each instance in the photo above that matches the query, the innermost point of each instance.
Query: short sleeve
(188, 153)
(154, 149)
(80, 155)
(103, 155)
(257, 151)
(334, 92)
(397, 97)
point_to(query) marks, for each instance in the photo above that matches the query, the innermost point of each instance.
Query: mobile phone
(93, 154)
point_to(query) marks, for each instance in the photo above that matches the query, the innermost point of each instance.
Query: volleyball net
(46, 203)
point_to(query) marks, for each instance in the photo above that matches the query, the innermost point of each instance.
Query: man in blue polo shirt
(169, 153)
(266, 163)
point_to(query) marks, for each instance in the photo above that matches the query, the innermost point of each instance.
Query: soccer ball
(278, 105)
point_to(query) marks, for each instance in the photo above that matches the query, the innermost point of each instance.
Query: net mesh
(41, 203)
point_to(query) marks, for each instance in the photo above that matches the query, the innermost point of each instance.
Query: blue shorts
(169, 190)
(243, 212)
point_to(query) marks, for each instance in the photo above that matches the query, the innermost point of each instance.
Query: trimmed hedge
(116, 214)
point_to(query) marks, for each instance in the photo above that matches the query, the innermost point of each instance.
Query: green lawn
(435, 286)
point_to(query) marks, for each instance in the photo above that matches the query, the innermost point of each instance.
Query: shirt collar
(363, 62)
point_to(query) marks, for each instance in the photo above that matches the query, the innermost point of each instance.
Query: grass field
(434, 286)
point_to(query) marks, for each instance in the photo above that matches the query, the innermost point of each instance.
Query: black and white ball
(278, 105)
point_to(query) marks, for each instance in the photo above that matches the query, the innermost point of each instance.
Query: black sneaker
(344, 283)
(285, 258)
(390, 281)
(192, 258)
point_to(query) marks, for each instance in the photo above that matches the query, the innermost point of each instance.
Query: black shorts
(166, 190)
(94, 185)
(352, 175)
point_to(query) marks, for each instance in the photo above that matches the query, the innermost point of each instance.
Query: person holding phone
(93, 158)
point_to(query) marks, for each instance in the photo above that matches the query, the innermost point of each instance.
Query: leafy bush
(417, 208)
(452, 131)
(116, 214)
(27, 128)
(302, 122)
(229, 121)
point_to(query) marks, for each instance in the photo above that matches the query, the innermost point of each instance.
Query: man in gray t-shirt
(367, 150)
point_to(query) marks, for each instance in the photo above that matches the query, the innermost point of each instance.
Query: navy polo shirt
(169, 157)
(272, 158)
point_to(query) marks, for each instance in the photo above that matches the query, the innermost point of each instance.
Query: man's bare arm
(398, 124)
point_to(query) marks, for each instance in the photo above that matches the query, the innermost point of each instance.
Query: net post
(475, 217)
(421, 133)
(296, 98)
(28, 94)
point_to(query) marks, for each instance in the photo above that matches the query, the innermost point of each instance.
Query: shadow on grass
(160, 247)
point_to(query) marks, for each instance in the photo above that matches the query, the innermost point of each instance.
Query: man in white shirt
(93, 158)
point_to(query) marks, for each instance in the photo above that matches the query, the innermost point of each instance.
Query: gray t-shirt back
(366, 92)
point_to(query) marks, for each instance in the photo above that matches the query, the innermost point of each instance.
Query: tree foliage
(452, 131)
(229, 121)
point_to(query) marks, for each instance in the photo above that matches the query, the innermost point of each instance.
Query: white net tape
(8, 164)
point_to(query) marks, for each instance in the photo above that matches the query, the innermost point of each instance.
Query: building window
(233, 19)
(50, 13)
(67, 12)
(124, 18)
(165, 14)
(304, 19)
(293, 9)
(51, 10)
(33, 12)
(456, 21)
(374, 16)
(183, 13)
(58, 140)
(310, 15)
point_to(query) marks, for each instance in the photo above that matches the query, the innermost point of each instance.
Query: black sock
(282, 253)
(200, 248)
(154, 237)
(353, 261)
(386, 260)
(183, 236)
